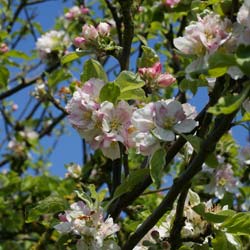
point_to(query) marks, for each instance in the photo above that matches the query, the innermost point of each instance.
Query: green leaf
(221, 60)
(4, 76)
(51, 204)
(223, 241)
(246, 117)
(148, 58)
(129, 81)
(230, 103)
(135, 94)
(93, 69)
(238, 224)
(109, 92)
(212, 217)
(217, 72)
(17, 54)
(74, 56)
(129, 183)
(58, 76)
(192, 85)
(243, 58)
(194, 140)
(157, 163)
(211, 160)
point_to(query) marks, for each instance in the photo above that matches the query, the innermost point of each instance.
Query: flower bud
(165, 80)
(89, 32)
(79, 42)
(103, 29)
(3, 48)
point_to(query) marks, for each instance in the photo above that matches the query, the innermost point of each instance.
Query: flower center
(169, 122)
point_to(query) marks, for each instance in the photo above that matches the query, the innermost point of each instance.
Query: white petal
(164, 134)
(185, 126)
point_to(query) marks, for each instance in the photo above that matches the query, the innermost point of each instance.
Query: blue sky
(69, 146)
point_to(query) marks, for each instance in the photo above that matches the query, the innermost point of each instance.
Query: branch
(127, 34)
(25, 83)
(179, 222)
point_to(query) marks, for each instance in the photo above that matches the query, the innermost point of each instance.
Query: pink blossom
(160, 121)
(75, 12)
(172, 3)
(89, 224)
(103, 29)
(205, 35)
(243, 16)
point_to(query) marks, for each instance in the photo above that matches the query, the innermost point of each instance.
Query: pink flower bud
(103, 29)
(69, 16)
(172, 3)
(4, 48)
(89, 32)
(62, 217)
(14, 107)
(84, 10)
(165, 80)
(79, 42)
(151, 72)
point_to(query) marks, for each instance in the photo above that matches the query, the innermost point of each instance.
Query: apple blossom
(160, 121)
(83, 109)
(116, 121)
(243, 16)
(74, 171)
(205, 35)
(222, 180)
(75, 12)
(89, 224)
(172, 3)
(52, 41)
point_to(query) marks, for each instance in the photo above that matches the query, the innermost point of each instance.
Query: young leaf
(149, 57)
(238, 224)
(93, 69)
(74, 56)
(224, 241)
(51, 204)
(128, 81)
(4, 76)
(110, 92)
(230, 103)
(156, 166)
(58, 76)
(243, 58)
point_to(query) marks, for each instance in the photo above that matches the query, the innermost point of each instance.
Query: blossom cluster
(76, 12)
(104, 125)
(212, 33)
(89, 224)
(204, 36)
(51, 42)
(154, 78)
(91, 34)
(194, 224)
